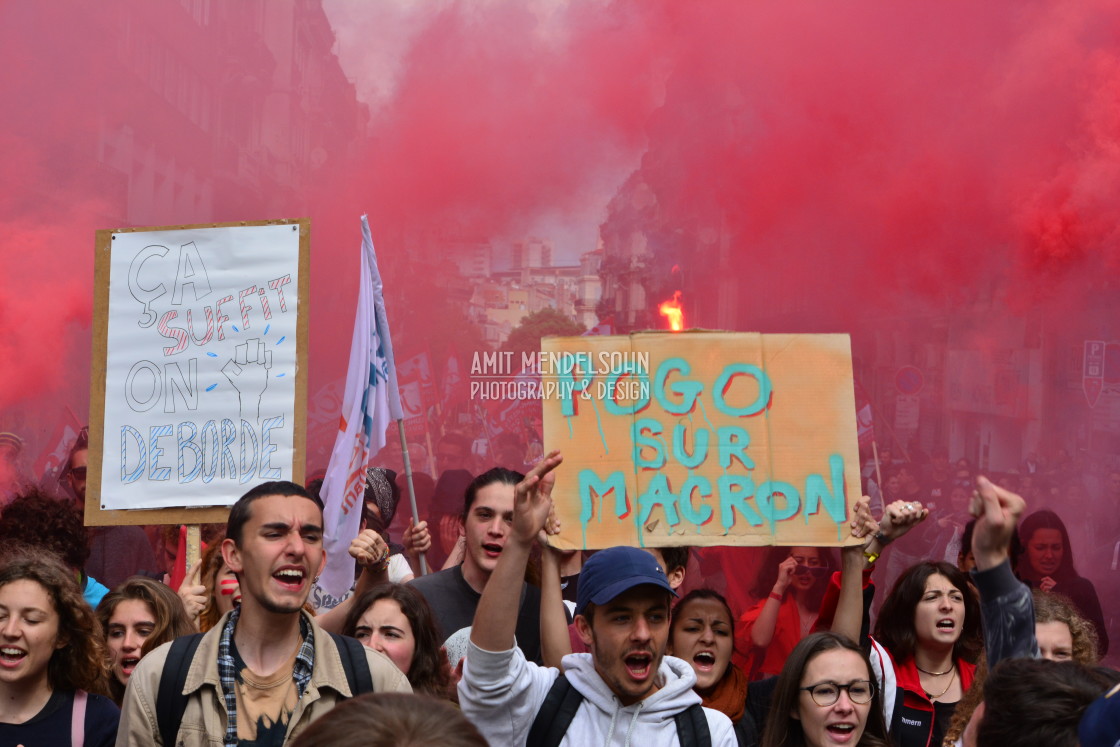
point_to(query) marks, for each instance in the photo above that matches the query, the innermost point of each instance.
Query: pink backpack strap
(78, 719)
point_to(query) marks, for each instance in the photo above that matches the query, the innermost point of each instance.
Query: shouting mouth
(704, 661)
(639, 665)
(290, 578)
(492, 549)
(946, 624)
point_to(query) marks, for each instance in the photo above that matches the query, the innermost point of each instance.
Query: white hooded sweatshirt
(501, 693)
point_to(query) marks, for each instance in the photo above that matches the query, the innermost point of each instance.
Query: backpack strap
(354, 663)
(692, 727)
(170, 700)
(78, 719)
(555, 714)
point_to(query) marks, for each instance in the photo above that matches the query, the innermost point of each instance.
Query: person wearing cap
(1100, 725)
(629, 691)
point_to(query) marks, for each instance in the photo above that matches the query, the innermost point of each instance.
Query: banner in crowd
(701, 438)
(200, 337)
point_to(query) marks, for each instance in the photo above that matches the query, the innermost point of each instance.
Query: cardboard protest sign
(199, 386)
(701, 438)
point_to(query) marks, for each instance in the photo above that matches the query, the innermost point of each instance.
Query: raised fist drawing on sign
(248, 372)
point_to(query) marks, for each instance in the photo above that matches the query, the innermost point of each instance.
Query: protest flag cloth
(370, 401)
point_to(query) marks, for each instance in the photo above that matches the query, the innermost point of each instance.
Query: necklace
(935, 674)
(931, 696)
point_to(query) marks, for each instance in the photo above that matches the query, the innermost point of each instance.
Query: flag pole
(411, 491)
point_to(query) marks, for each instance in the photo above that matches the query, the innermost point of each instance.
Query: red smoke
(844, 160)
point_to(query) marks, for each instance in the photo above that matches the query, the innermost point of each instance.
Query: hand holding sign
(248, 373)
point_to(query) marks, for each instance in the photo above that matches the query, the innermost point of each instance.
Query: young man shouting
(266, 670)
(628, 690)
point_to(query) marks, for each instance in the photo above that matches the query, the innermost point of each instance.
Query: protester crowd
(987, 634)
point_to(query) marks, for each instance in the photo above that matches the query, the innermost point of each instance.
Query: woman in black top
(1047, 564)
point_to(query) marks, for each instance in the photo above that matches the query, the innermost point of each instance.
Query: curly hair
(895, 626)
(36, 519)
(1056, 608)
(428, 672)
(167, 610)
(1047, 608)
(783, 729)
(80, 663)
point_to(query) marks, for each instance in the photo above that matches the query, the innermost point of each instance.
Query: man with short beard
(625, 688)
(266, 670)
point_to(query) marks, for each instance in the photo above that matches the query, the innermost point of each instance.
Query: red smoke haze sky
(870, 158)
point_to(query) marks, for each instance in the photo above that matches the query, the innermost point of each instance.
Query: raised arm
(762, 632)
(898, 519)
(372, 554)
(555, 641)
(1006, 605)
(495, 620)
(848, 618)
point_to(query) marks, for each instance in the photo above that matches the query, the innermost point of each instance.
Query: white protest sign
(201, 362)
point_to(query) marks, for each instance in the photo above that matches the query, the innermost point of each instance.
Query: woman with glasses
(826, 695)
(789, 591)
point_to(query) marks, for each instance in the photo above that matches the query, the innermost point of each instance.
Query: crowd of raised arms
(987, 636)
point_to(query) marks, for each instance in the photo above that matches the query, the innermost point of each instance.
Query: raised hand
(192, 592)
(532, 502)
(785, 575)
(369, 549)
(900, 517)
(864, 525)
(997, 513)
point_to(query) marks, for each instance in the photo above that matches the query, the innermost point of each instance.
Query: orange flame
(673, 311)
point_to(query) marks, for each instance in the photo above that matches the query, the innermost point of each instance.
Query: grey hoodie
(501, 693)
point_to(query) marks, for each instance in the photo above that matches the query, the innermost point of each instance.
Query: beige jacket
(204, 721)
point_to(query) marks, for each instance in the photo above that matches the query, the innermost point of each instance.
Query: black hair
(675, 557)
(894, 627)
(499, 475)
(694, 595)
(1029, 702)
(241, 510)
(1046, 519)
(38, 520)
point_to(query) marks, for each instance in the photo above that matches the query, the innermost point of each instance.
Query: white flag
(371, 401)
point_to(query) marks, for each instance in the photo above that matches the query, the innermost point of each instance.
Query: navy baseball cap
(610, 572)
(1100, 724)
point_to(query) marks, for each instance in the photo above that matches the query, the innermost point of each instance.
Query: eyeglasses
(816, 571)
(826, 693)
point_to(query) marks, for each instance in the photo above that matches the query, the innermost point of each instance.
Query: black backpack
(562, 702)
(171, 702)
